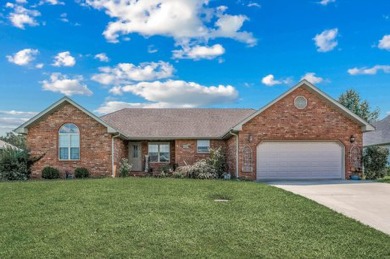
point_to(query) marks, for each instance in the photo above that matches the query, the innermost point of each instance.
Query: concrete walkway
(367, 202)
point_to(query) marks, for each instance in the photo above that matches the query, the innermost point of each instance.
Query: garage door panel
(303, 160)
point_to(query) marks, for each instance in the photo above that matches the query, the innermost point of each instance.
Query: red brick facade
(282, 121)
(320, 120)
(95, 142)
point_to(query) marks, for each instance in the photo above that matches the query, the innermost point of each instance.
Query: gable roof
(304, 83)
(150, 123)
(381, 135)
(4, 145)
(24, 127)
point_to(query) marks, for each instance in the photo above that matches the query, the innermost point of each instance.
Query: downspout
(112, 154)
(236, 135)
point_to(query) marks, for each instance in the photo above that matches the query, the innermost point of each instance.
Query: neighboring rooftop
(4, 145)
(175, 123)
(381, 136)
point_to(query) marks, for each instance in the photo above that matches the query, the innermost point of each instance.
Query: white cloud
(102, 57)
(180, 19)
(23, 57)
(126, 72)
(39, 66)
(64, 17)
(326, 40)
(64, 59)
(369, 71)
(312, 78)
(11, 119)
(20, 16)
(51, 2)
(152, 49)
(68, 86)
(254, 4)
(199, 52)
(270, 80)
(178, 93)
(326, 2)
(112, 106)
(384, 43)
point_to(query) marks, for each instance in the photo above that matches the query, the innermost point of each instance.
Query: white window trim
(70, 143)
(197, 146)
(158, 152)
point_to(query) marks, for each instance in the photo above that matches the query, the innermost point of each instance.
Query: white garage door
(300, 160)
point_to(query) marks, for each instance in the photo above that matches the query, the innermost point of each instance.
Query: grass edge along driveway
(175, 218)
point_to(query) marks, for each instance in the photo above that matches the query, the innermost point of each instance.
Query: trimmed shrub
(217, 161)
(81, 172)
(201, 169)
(50, 173)
(14, 164)
(125, 168)
(375, 162)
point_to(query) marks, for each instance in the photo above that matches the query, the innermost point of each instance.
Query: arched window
(69, 142)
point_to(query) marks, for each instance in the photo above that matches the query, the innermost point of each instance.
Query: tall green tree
(351, 100)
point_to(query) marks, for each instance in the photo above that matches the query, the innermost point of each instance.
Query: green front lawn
(174, 218)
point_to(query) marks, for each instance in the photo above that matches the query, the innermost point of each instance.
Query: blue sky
(109, 54)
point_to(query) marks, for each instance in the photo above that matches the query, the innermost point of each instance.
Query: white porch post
(146, 163)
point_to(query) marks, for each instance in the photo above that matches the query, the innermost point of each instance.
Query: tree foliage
(351, 100)
(375, 162)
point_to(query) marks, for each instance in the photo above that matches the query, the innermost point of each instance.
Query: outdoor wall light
(352, 139)
(250, 138)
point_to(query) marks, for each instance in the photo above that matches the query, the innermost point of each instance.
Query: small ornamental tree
(351, 100)
(375, 162)
(124, 168)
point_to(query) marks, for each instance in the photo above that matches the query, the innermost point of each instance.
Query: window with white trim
(159, 152)
(69, 142)
(203, 146)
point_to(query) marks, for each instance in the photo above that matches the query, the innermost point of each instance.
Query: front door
(135, 156)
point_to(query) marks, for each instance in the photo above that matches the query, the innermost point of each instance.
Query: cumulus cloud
(270, 80)
(20, 16)
(112, 106)
(326, 40)
(178, 93)
(64, 59)
(23, 57)
(312, 78)
(68, 86)
(102, 57)
(180, 19)
(51, 2)
(384, 43)
(326, 2)
(199, 52)
(126, 72)
(369, 71)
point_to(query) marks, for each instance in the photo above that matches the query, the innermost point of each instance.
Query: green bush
(199, 170)
(81, 172)
(50, 173)
(217, 161)
(375, 162)
(14, 164)
(124, 168)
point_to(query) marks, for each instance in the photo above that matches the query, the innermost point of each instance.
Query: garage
(286, 160)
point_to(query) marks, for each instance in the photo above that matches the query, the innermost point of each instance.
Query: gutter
(113, 153)
(236, 135)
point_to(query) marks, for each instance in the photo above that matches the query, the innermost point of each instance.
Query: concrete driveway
(367, 202)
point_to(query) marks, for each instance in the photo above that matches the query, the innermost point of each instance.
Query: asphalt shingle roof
(380, 136)
(175, 123)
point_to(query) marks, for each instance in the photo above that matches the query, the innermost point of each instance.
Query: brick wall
(282, 121)
(186, 150)
(120, 151)
(95, 142)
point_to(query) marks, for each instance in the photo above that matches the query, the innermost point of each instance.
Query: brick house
(303, 134)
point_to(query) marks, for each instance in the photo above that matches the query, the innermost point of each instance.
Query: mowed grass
(174, 218)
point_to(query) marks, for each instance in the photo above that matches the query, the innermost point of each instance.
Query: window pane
(64, 140)
(153, 156)
(135, 151)
(75, 153)
(69, 128)
(164, 148)
(64, 153)
(203, 146)
(153, 148)
(74, 140)
(164, 156)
